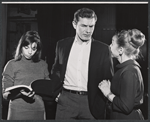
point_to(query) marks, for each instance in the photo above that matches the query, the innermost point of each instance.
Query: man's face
(84, 28)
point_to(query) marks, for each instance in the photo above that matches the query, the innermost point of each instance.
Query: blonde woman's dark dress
(127, 85)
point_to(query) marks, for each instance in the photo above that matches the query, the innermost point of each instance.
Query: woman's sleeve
(125, 102)
(7, 76)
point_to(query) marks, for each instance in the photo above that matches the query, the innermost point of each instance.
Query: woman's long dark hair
(28, 38)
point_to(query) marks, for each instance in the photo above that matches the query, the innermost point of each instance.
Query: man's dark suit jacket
(100, 68)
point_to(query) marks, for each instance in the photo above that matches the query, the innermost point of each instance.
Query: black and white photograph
(74, 60)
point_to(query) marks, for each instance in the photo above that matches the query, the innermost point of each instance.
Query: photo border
(123, 1)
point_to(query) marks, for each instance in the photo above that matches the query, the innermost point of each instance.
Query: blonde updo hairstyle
(131, 41)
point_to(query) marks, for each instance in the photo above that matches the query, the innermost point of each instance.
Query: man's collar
(79, 41)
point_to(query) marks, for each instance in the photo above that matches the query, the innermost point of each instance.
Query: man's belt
(76, 92)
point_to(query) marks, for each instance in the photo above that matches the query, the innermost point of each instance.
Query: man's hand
(57, 97)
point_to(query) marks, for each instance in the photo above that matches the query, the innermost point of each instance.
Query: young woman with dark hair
(26, 67)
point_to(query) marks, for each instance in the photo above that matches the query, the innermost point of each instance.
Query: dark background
(54, 22)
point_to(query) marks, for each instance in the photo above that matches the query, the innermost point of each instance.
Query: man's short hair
(84, 13)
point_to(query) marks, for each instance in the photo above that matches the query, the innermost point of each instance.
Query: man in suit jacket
(81, 63)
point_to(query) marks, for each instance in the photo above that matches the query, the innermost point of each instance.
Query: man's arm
(108, 66)
(55, 74)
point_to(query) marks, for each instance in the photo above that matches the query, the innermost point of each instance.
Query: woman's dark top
(127, 85)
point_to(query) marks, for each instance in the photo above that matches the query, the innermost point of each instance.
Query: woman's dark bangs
(27, 41)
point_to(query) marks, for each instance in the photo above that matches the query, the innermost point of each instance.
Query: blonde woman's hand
(104, 86)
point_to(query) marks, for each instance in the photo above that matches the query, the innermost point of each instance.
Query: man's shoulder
(66, 39)
(100, 43)
(65, 42)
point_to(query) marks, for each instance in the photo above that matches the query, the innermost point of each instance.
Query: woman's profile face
(29, 50)
(114, 47)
